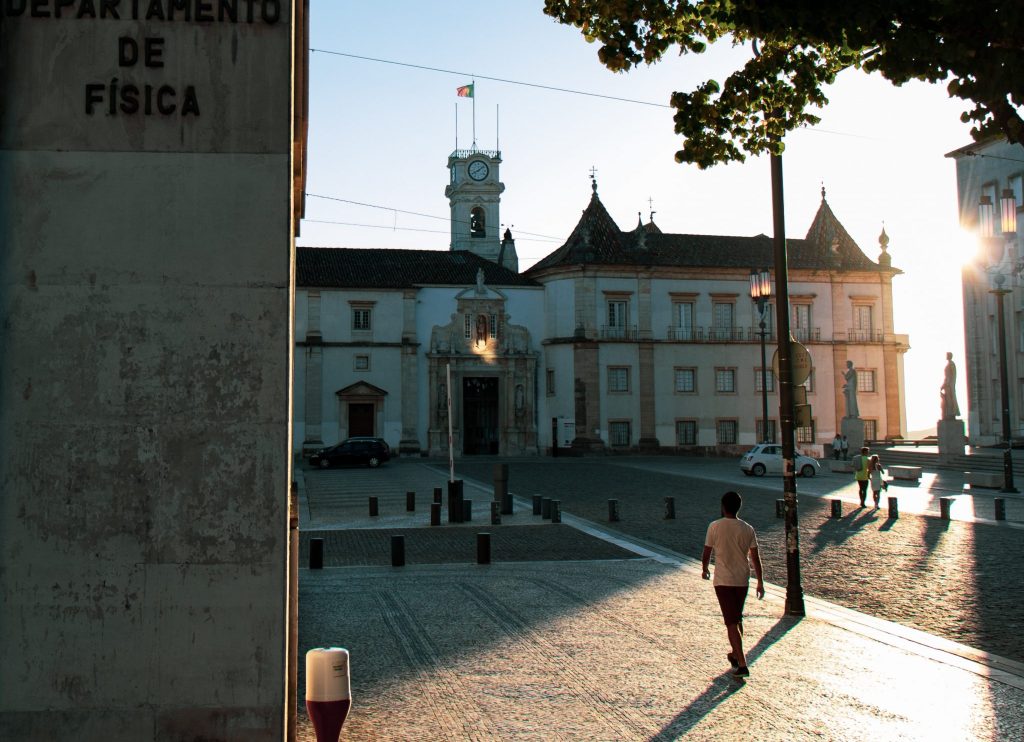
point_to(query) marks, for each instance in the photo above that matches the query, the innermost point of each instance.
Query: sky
(380, 135)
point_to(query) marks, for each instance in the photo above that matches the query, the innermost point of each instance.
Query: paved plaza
(606, 631)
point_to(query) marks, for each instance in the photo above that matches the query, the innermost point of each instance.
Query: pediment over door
(361, 390)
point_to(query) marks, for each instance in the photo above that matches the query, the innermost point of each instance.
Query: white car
(766, 458)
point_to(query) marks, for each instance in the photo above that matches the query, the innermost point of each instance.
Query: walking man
(731, 540)
(862, 473)
(846, 449)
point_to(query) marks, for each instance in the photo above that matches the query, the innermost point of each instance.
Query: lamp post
(1008, 224)
(760, 290)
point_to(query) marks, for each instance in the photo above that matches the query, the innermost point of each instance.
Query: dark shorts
(731, 599)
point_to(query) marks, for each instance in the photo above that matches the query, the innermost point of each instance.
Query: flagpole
(456, 126)
(473, 83)
(497, 127)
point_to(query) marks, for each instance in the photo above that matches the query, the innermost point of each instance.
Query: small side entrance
(480, 415)
(360, 419)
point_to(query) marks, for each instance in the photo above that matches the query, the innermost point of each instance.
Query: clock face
(478, 170)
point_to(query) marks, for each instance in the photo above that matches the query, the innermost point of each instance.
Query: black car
(358, 451)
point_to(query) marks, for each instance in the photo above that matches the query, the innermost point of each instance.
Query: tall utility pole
(794, 590)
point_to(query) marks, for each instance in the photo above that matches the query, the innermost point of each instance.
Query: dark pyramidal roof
(597, 240)
(352, 268)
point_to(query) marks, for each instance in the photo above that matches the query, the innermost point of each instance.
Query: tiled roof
(597, 240)
(342, 267)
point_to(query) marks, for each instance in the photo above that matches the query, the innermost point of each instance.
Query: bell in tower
(474, 196)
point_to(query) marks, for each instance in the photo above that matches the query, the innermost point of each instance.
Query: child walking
(876, 477)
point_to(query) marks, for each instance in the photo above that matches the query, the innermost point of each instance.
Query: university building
(632, 340)
(992, 172)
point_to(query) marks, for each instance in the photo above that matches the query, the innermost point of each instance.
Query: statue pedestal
(853, 429)
(951, 438)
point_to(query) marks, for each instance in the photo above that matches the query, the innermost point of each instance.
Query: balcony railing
(857, 335)
(806, 334)
(617, 332)
(726, 334)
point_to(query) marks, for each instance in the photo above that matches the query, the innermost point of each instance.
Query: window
(806, 435)
(618, 378)
(769, 380)
(809, 384)
(468, 327)
(477, 222)
(865, 380)
(725, 380)
(361, 316)
(766, 435)
(862, 318)
(725, 431)
(871, 430)
(722, 320)
(617, 318)
(493, 325)
(549, 377)
(1016, 184)
(618, 432)
(682, 319)
(801, 316)
(686, 432)
(685, 380)
(362, 363)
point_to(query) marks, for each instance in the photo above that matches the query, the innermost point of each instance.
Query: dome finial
(823, 191)
(883, 239)
(593, 179)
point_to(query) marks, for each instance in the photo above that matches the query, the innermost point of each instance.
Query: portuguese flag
(464, 91)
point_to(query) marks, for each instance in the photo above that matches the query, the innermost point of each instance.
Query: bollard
(437, 495)
(495, 513)
(435, 513)
(780, 508)
(536, 504)
(467, 511)
(837, 508)
(556, 511)
(316, 553)
(501, 494)
(398, 551)
(944, 503)
(328, 691)
(1000, 504)
(894, 508)
(410, 502)
(455, 499)
(670, 508)
(545, 508)
(483, 548)
(613, 511)
(374, 510)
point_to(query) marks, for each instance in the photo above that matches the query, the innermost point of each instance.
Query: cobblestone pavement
(625, 650)
(958, 580)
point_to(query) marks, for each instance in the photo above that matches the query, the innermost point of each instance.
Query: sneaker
(740, 672)
(732, 660)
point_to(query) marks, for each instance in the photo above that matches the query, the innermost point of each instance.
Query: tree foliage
(798, 47)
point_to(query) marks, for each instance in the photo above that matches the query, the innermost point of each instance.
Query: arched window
(477, 223)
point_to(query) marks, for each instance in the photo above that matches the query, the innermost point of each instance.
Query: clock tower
(474, 195)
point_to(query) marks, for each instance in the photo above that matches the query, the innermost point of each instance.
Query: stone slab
(952, 441)
(991, 479)
(853, 429)
(905, 472)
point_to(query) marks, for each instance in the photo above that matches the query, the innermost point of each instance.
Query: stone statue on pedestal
(947, 392)
(850, 390)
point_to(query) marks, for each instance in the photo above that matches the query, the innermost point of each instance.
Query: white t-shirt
(731, 539)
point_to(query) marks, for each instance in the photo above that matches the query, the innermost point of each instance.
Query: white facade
(988, 169)
(640, 343)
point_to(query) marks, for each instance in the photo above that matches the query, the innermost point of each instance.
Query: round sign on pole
(799, 362)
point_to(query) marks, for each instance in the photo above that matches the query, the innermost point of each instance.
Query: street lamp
(1008, 224)
(760, 291)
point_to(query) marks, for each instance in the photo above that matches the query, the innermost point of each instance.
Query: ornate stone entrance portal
(493, 371)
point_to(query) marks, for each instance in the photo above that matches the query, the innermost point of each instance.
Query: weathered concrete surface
(145, 301)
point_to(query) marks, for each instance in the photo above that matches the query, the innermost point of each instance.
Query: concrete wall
(144, 380)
